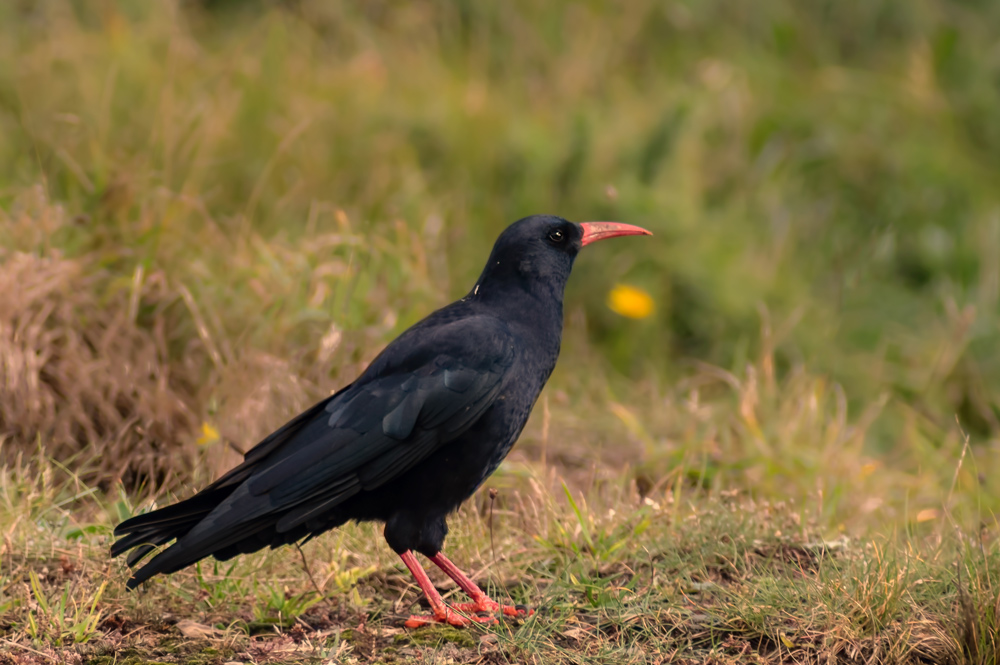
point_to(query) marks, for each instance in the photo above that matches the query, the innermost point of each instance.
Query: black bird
(408, 441)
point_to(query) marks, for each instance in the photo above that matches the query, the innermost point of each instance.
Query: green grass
(213, 213)
(674, 576)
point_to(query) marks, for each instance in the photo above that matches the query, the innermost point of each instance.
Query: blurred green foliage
(823, 177)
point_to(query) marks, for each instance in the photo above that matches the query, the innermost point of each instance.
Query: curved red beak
(594, 231)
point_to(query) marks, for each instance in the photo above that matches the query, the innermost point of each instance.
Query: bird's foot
(448, 617)
(460, 615)
(481, 610)
(488, 606)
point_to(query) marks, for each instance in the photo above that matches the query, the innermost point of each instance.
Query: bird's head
(539, 251)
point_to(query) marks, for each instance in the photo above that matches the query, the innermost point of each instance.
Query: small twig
(545, 431)
(305, 564)
(30, 650)
(491, 564)
(232, 445)
(958, 469)
(201, 327)
(493, 547)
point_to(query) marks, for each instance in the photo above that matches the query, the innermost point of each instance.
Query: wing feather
(423, 391)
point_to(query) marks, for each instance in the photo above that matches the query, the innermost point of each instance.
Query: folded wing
(420, 393)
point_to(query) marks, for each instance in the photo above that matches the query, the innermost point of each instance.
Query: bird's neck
(533, 308)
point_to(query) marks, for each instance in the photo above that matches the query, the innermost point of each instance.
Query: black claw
(521, 608)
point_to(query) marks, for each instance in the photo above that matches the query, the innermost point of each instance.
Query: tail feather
(222, 520)
(144, 533)
(139, 553)
(181, 555)
(139, 540)
(203, 526)
(189, 511)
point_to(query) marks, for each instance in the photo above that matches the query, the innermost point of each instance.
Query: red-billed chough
(408, 441)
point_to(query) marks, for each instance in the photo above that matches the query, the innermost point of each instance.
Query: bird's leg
(441, 612)
(480, 601)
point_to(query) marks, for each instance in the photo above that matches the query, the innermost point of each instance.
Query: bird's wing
(425, 389)
(382, 426)
(147, 530)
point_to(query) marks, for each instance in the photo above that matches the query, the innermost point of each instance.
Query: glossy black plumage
(426, 423)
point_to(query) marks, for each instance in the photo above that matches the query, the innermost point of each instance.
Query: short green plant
(63, 616)
(272, 603)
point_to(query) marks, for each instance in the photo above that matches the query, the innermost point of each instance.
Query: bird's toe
(517, 610)
(449, 617)
(491, 607)
(481, 607)
(418, 620)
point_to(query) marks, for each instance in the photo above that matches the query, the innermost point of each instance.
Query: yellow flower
(208, 436)
(630, 301)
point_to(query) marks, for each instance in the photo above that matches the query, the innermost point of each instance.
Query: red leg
(441, 612)
(480, 601)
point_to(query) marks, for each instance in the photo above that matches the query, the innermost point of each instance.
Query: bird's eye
(557, 236)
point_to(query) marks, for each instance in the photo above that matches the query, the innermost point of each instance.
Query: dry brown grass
(117, 377)
(79, 373)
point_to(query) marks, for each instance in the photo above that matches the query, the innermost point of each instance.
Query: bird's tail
(216, 522)
(144, 533)
(222, 520)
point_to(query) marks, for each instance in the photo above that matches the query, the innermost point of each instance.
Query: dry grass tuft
(79, 371)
